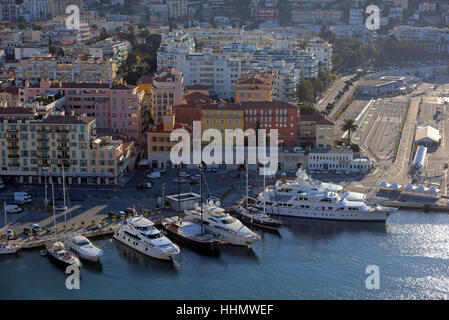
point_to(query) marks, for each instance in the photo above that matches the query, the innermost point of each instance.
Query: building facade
(257, 87)
(116, 107)
(166, 91)
(34, 147)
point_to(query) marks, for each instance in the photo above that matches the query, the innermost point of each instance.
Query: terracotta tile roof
(198, 97)
(268, 104)
(316, 118)
(145, 79)
(66, 119)
(197, 87)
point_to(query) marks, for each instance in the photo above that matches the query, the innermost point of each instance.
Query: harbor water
(307, 259)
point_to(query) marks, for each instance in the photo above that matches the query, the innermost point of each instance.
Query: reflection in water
(240, 251)
(96, 267)
(141, 260)
(325, 229)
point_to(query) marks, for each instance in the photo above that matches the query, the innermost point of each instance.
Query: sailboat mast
(201, 197)
(4, 208)
(247, 187)
(54, 213)
(63, 192)
(179, 194)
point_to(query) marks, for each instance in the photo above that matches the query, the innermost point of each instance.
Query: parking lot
(98, 201)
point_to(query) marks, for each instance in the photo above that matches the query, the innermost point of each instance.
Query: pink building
(117, 108)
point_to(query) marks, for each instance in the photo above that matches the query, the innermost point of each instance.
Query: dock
(418, 206)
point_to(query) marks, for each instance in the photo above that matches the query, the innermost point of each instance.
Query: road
(332, 92)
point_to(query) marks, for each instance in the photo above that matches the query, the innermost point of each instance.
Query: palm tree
(349, 126)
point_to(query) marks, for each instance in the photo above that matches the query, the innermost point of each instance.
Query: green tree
(349, 126)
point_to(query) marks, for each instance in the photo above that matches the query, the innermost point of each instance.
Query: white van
(22, 197)
(13, 208)
(297, 149)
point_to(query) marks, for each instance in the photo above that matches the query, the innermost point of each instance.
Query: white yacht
(217, 221)
(320, 205)
(83, 248)
(140, 234)
(6, 248)
(304, 183)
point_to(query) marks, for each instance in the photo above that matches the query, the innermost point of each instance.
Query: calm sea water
(308, 259)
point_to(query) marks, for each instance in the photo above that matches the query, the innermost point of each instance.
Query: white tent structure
(383, 184)
(395, 186)
(427, 136)
(410, 188)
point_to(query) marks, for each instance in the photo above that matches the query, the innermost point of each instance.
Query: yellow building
(158, 142)
(144, 84)
(256, 87)
(221, 117)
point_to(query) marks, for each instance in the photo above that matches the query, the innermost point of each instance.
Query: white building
(323, 50)
(176, 8)
(337, 159)
(355, 16)
(29, 51)
(35, 9)
(219, 66)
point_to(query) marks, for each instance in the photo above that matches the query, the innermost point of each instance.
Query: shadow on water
(319, 229)
(140, 260)
(240, 251)
(96, 267)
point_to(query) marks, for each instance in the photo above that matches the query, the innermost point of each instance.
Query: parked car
(215, 169)
(163, 170)
(147, 185)
(10, 234)
(193, 182)
(297, 149)
(36, 227)
(154, 175)
(181, 180)
(196, 176)
(235, 175)
(26, 230)
(292, 171)
(13, 208)
(130, 211)
(183, 174)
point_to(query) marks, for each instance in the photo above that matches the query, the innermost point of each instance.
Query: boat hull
(212, 247)
(8, 251)
(138, 246)
(260, 223)
(60, 262)
(83, 256)
(231, 238)
(379, 216)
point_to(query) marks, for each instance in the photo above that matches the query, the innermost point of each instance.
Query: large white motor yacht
(320, 205)
(230, 229)
(83, 248)
(140, 234)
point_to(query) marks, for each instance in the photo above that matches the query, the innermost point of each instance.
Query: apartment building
(79, 68)
(117, 108)
(257, 87)
(316, 131)
(176, 8)
(166, 91)
(438, 36)
(57, 7)
(220, 68)
(269, 115)
(37, 146)
(190, 110)
(9, 96)
(158, 142)
(261, 13)
(8, 10)
(221, 117)
(35, 9)
(323, 51)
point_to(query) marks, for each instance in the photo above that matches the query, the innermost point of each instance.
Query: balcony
(63, 148)
(62, 140)
(43, 148)
(12, 139)
(14, 156)
(14, 164)
(43, 156)
(63, 156)
(62, 131)
(41, 139)
(10, 130)
(13, 147)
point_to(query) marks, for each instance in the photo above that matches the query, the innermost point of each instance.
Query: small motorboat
(6, 248)
(44, 252)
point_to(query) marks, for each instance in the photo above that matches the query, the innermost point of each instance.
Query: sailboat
(7, 248)
(191, 231)
(57, 250)
(255, 216)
